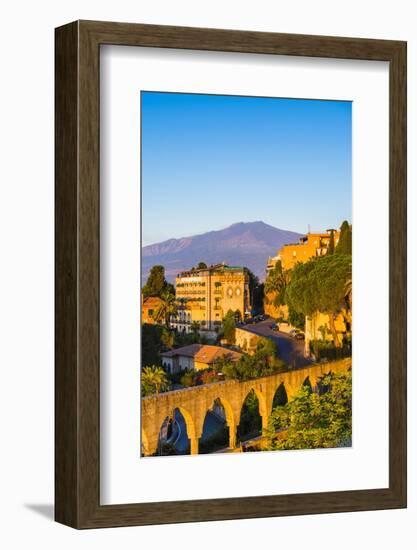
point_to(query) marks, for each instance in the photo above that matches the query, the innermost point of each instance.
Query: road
(290, 350)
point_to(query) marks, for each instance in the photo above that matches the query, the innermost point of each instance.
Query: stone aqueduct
(194, 402)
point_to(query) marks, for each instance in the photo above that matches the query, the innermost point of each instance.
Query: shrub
(188, 378)
(327, 350)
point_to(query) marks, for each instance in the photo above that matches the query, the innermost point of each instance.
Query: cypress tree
(229, 327)
(156, 283)
(330, 248)
(344, 246)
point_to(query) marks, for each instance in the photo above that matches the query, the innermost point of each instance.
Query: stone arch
(262, 408)
(313, 378)
(231, 421)
(280, 396)
(292, 389)
(308, 383)
(145, 450)
(191, 429)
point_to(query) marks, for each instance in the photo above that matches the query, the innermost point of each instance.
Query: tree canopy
(152, 344)
(256, 292)
(276, 283)
(330, 248)
(156, 284)
(167, 308)
(229, 327)
(344, 246)
(315, 420)
(262, 363)
(320, 285)
(153, 380)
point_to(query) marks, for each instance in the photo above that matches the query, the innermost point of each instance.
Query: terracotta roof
(152, 301)
(203, 353)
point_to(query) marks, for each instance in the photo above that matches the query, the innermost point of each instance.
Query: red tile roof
(152, 301)
(203, 353)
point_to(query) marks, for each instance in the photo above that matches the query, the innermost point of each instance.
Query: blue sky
(209, 161)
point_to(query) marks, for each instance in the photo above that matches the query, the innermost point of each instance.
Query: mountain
(243, 244)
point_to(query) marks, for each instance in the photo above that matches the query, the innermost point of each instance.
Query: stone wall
(246, 340)
(317, 328)
(276, 312)
(193, 403)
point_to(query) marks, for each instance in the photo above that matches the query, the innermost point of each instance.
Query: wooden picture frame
(77, 405)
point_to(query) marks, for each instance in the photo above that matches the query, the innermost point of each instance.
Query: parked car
(274, 327)
(292, 332)
(299, 336)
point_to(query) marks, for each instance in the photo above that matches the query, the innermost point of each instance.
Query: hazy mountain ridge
(248, 244)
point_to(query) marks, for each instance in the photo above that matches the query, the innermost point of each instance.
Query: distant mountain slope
(244, 244)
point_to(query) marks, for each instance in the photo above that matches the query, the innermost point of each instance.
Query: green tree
(266, 348)
(152, 344)
(344, 246)
(330, 248)
(296, 319)
(188, 378)
(167, 308)
(348, 292)
(276, 283)
(195, 329)
(207, 376)
(167, 338)
(319, 285)
(153, 380)
(222, 362)
(256, 292)
(315, 419)
(156, 284)
(250, 422)
(202, 265)
(262, 363)
(229, 327)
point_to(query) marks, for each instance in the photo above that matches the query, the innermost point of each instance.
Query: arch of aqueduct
(196, 401)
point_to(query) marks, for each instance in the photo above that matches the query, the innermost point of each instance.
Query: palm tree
(167, 308)
(276, 283)
(195, 328)
(153, 380)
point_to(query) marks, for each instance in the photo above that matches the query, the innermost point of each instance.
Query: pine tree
(229, 327)
(156, 284)
(344, 246)
(320, 286)
(330, 248)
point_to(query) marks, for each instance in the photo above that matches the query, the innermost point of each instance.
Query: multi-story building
(204, 296)
(309, 246)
